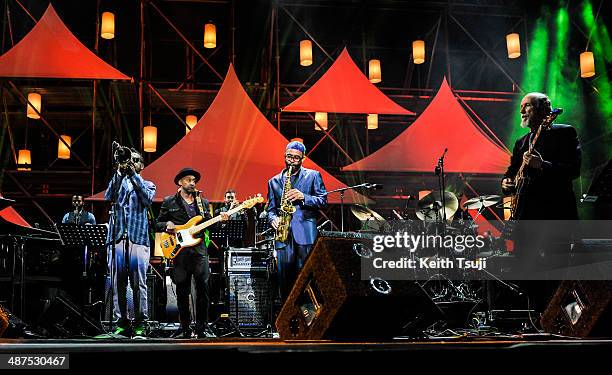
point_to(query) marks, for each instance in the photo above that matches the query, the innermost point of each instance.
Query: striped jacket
(134, 197)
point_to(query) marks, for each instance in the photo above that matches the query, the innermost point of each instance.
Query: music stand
(86, 236)
(230, 230)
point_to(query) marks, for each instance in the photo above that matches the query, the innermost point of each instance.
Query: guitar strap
(198, 200)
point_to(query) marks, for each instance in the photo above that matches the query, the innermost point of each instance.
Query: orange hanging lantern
(306, 52)
(35, 101)
(374, 73)
(321, 119)
(210, 35)
(190, 120)
(63, 152)
(24, 160)
(418, 51)
(372, 121)
(587, 65)
(513, 44)
(108, 25)
(150, 138)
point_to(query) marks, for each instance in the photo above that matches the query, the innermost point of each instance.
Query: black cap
(187, 172)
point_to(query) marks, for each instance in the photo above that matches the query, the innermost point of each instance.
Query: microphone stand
(112, 246)
(341, 191)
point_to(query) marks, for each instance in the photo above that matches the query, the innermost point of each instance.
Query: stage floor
(253, 350)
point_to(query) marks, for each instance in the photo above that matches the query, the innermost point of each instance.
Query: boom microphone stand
(342, 190)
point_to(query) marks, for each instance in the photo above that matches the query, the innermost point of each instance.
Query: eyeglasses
(293, 157)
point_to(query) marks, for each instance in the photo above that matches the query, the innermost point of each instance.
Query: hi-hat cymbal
(482, 201)
(430, 207)
(372, 218)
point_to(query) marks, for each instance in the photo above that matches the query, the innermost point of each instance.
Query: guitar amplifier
(246, 260)
(248, 297)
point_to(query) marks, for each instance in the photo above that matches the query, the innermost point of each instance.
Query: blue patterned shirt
(134, 197)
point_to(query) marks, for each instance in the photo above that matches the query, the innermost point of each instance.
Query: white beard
(524, 123)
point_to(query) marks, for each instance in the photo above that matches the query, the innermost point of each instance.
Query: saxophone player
(305, 192)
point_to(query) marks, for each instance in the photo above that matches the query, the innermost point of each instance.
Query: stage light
(305, 52)
(150, 138)
(24, 160)
(108, 25)
(418, 51)
(587, 65)
(513, 44)
(210, 35)
(191, 120)
(321, 119)
(36, 102)
(63, 152)
(374, 72)
(372, 121)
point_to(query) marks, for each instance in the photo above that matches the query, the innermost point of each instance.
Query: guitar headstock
(552, 116)
(248, 203)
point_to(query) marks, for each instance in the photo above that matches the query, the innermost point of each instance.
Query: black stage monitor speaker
(580, 309)
(330, 301)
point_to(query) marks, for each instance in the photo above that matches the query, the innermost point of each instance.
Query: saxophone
(286, 210)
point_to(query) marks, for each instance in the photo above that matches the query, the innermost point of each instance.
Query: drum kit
(438, 214)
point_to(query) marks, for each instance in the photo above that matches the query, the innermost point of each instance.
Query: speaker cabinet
(329, 300)
(580, 309)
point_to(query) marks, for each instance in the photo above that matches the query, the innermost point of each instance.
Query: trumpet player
(132, 196)
(302, 193)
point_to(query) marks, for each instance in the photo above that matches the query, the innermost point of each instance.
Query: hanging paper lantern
(513, 44)
(150, 138)
(191, 120)
(108, 25)
(372, 121)
(587, 65)
(418, 51)
(24, 160)
(301, 140)
(36, 101)
(305, 52)
(210, 35)
(374, 73)
(63, 152)
(321, 119)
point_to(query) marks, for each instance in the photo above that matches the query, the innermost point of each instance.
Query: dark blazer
(550, 194)
(304, 221)
(173, 210)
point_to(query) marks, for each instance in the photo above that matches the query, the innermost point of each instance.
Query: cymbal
(481, 201)
(430, 207)
(372, 218)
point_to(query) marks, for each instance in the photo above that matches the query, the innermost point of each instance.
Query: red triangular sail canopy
(11, 216)
(232, 146)
(443, 124)
(50, 50)
(345, 89)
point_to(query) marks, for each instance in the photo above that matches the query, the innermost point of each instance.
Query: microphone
(438, 168)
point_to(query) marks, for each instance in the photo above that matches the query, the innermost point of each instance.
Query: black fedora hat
(187, 172)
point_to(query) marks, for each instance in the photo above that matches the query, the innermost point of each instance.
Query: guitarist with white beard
(191, 262)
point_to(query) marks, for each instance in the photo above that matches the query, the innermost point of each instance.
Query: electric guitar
(184, 235)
